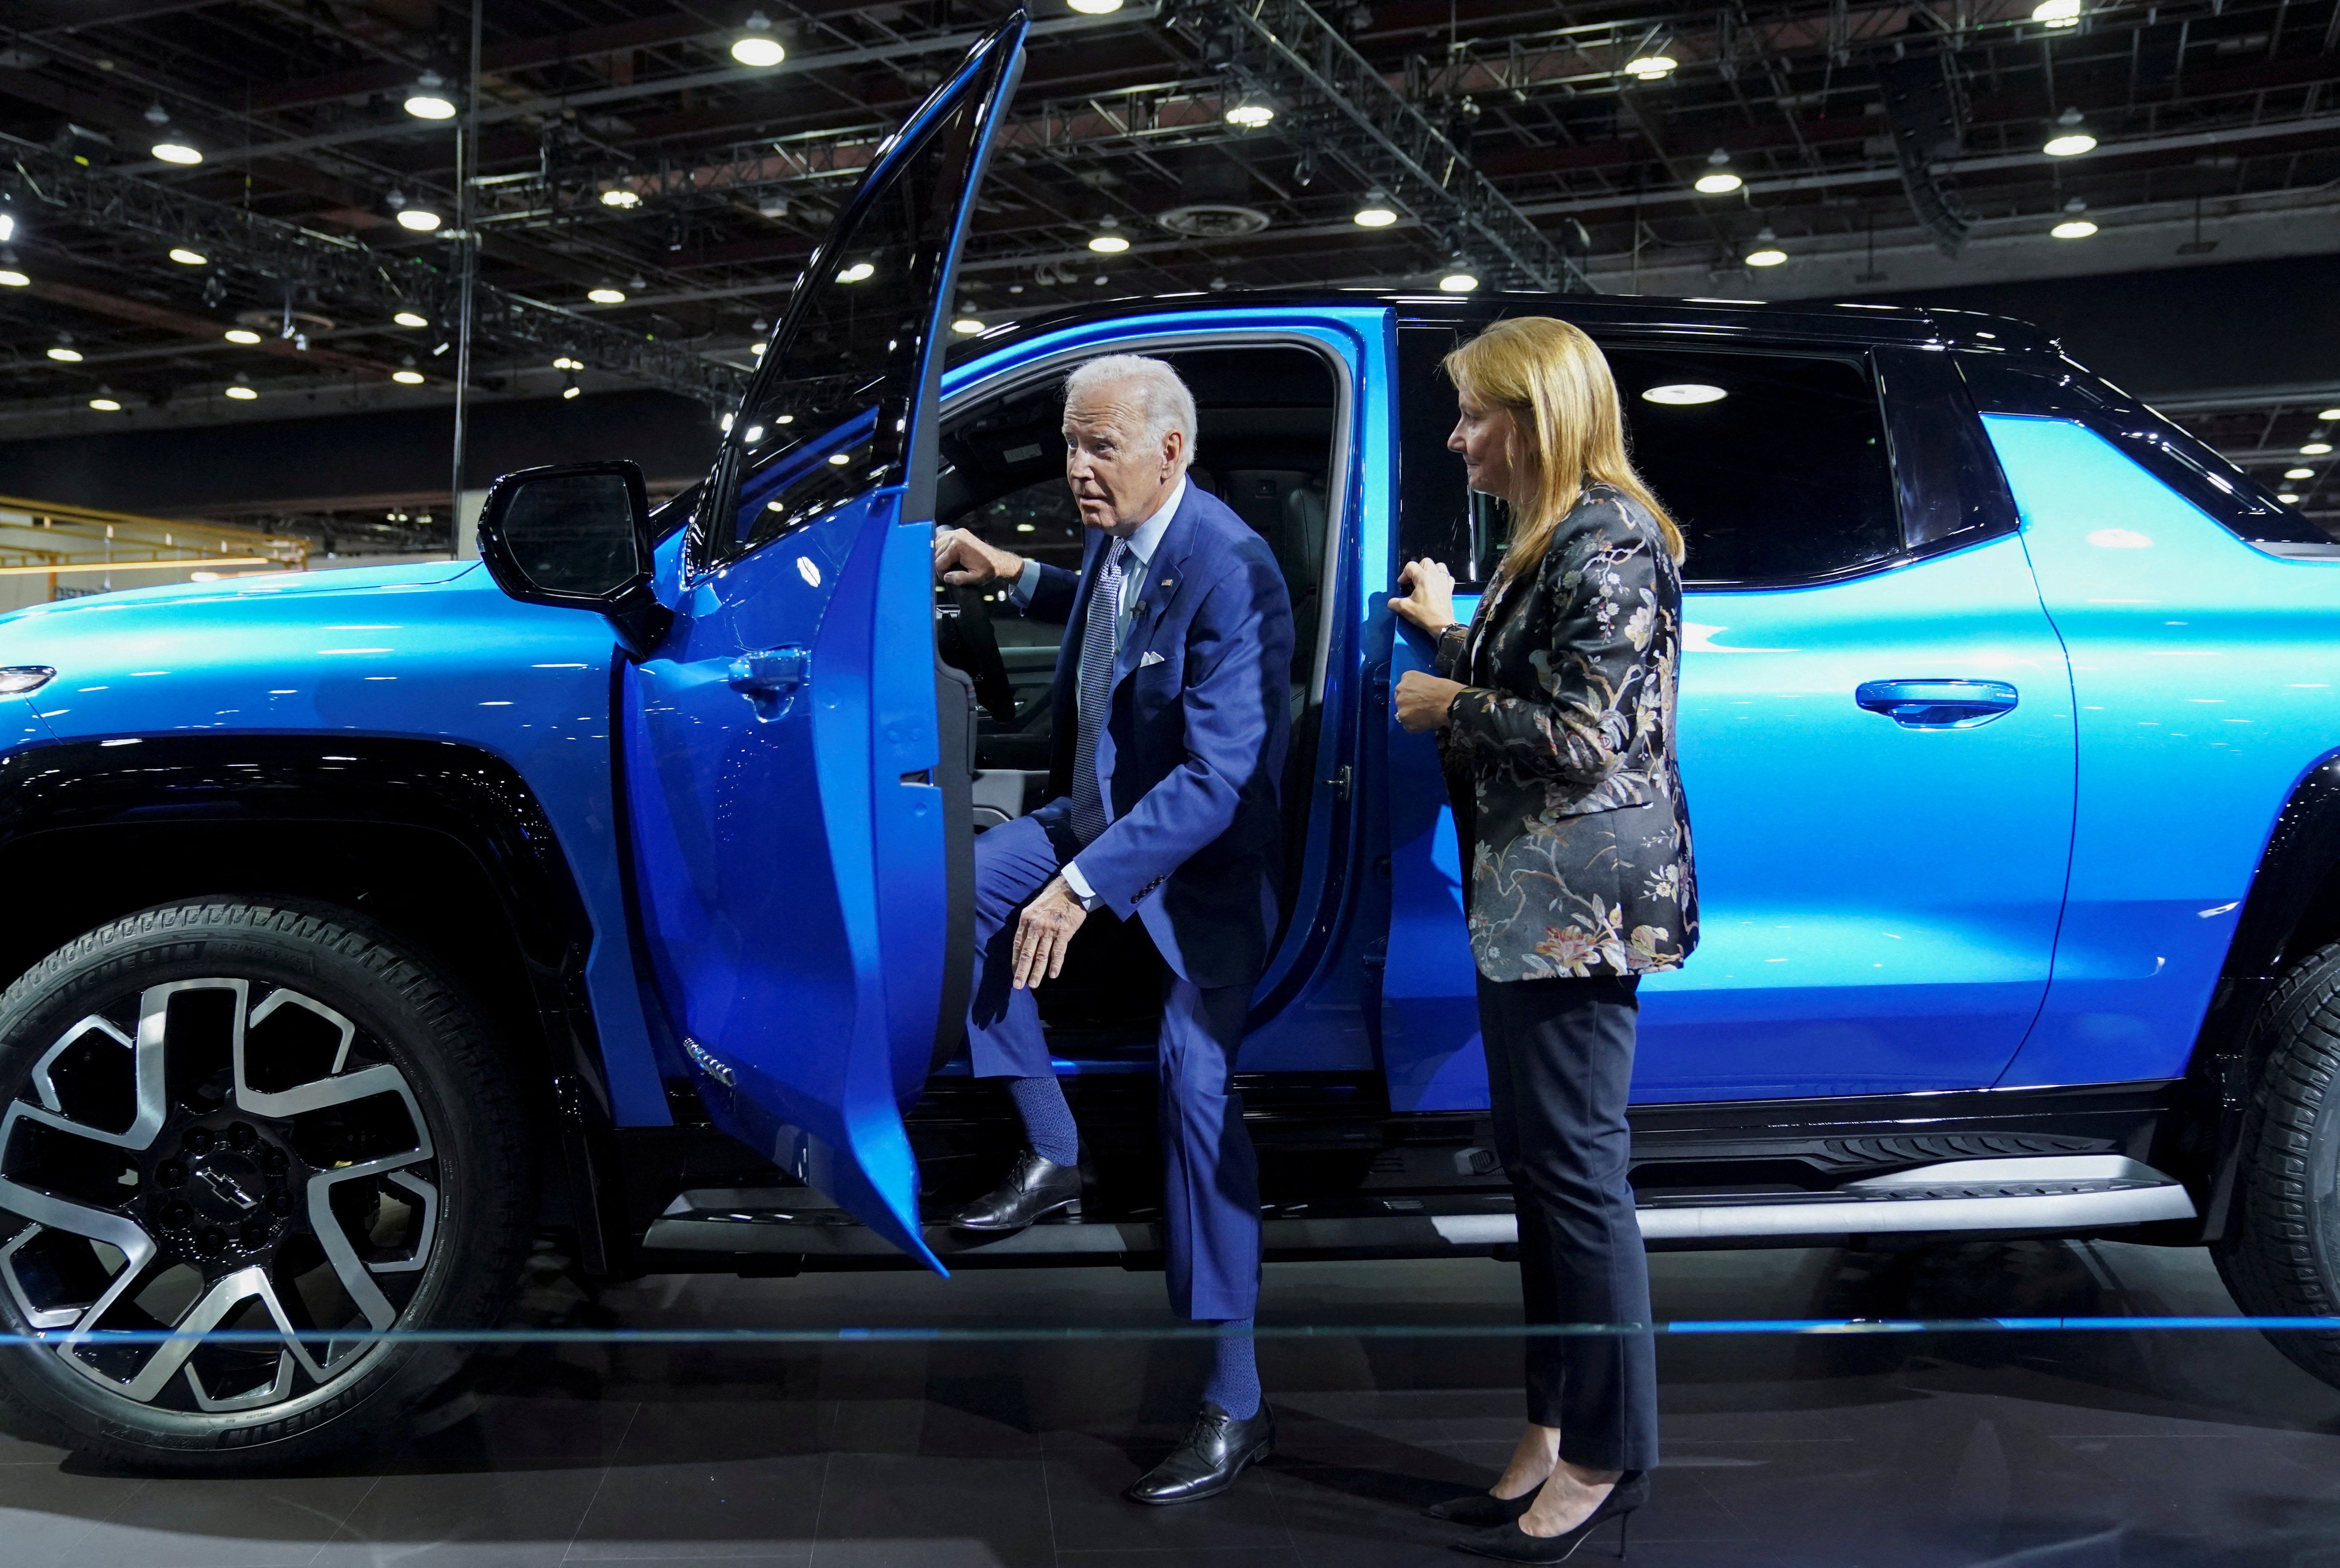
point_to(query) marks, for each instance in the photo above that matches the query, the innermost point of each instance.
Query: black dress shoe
(1215, 1451)
(1480, 1509)
(1507, 1542)
(1034, 1187)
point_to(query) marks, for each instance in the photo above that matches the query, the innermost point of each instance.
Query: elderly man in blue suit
(1172, 719)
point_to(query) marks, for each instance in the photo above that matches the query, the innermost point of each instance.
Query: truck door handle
(769, 677)
(1936, 704)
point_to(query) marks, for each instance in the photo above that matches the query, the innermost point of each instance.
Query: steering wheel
(967, 641)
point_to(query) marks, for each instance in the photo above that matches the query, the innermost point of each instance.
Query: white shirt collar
(1148, 537)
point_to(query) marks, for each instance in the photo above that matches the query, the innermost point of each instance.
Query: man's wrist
(1077, 885)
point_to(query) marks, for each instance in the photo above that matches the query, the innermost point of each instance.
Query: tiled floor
(2078, 1450)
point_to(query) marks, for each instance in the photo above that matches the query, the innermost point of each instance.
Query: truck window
(1775, 465)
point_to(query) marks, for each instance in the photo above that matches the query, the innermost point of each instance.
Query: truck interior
(1266, 446)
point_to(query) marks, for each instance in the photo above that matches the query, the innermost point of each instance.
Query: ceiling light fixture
(242, 336)
(410, 319)
(187, 258)
(7, 227)
(2313, 448)
(2299, 474)
(1650, 68)
(1106, 241)
(105, 402)
(64, 352)
(859, 273)
(2057, 13)
(241, 389)
(2330, 414)
(1095, 7)
(1250, 112)
(406, 375)
(569, 362)
(421, 219)
(2069, 140)
(569, 388)
(428, 100)
(605, 295)
(2076, 224)
(1459, 279)
(14, 280)
(619, 197)
(174, 152)
(2286, 497)
(1376, 213)
(1767, 252)
(756, 46)
(1684, 394)
(967, 326)
(1718, 179)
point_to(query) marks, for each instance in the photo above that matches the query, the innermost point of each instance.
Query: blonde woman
(1554, 709)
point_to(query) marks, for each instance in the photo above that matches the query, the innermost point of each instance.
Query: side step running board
(2049, 1192)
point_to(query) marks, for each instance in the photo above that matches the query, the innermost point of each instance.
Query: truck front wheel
(2281, 1257)
(267, 1124)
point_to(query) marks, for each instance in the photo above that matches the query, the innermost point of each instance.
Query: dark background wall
(404, 452)
(2184, 330)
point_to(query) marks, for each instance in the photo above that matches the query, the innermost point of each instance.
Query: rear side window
(1776, 466)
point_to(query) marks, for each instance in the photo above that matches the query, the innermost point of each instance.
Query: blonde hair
(1568, 429)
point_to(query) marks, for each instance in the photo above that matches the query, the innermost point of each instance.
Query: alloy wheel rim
(215, 1154)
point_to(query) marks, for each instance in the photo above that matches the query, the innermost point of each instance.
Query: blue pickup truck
(369, 925)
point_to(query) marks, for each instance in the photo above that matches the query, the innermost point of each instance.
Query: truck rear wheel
(258, 1117)
(2281, 1258)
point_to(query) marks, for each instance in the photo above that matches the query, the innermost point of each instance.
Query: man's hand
(1424, 701)
(964, 560)
(1044, 931)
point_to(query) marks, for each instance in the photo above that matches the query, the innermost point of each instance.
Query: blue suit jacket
(1194, 740)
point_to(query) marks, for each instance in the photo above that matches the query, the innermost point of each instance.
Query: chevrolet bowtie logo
(227, 1188)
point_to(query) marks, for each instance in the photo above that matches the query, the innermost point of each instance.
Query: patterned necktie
(1096, 684)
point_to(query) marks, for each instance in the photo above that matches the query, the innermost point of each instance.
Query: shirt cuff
(1026, 581)
(1079, 885)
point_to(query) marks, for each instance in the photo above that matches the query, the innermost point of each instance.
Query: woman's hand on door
(1425, 596)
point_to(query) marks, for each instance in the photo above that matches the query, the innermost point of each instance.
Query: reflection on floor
(2078, 1450)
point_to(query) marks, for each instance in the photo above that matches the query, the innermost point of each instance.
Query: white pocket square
(1150, 657)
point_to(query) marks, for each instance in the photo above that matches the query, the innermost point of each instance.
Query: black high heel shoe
(1507, 1542)
(1480, 1509)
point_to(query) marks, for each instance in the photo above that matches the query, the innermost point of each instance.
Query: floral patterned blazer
(1560, 755)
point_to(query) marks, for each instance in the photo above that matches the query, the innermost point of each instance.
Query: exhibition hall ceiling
(649, 177)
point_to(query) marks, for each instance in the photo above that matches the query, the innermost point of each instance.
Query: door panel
(793, 848)
(1877, 898)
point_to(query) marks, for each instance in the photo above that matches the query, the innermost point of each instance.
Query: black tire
(308, 1115)
(2281, 1258)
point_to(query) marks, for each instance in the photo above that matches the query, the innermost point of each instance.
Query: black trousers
(1560, 1062)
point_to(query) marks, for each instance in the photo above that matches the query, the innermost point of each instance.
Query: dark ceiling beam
(39, 16)
(495, 59)
(202, 329)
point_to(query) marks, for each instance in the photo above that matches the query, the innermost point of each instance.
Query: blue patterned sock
(1234, 1386)
(1047, 1120)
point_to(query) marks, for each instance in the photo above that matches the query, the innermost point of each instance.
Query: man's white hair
(1149, 387)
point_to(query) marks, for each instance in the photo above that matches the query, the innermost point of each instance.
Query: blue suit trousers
(1210, 1173)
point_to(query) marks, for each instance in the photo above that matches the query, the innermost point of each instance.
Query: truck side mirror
(577, 536)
